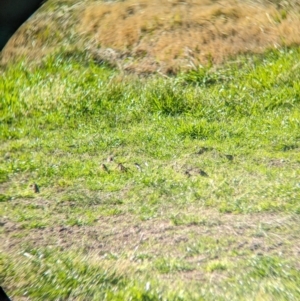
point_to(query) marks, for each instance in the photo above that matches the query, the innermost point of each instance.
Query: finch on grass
(104, 167)
(110, 158)
(138, 166)
(229, 157)
(122, 168)
(35, 187)
(187, 173)
(203, 173)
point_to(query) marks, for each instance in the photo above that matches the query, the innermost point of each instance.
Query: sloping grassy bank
(206, 205)
(147, 37)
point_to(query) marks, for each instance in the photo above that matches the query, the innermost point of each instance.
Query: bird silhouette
(187, 173)
(35, 187)
(110, 158)
(104, 167)
(203, 173)
(122, 168)
(138, 166)
(229, 157)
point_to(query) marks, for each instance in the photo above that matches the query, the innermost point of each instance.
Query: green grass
(166, 230)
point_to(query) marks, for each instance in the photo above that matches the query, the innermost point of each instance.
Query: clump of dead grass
(174, 35)
(51, 28)
(165, 36)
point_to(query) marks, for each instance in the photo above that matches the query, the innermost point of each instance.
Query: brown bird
(203, 173)
(122, 168)
(202, 150)
(138, 166)
(35, 187)
(187, 173)
(110, 158)
(104, 167)
(229, 157)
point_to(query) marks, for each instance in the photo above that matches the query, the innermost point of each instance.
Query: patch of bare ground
(126, 235)
(158, 36)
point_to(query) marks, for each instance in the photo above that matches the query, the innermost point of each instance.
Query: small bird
(110, 158)
(138, 166)
(203, 173)
(187, 173)
(202, 150)
(35, 187)
(229, 157)
(104, 167)
(122, 168)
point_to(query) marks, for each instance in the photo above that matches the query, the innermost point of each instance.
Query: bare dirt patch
(125, 234)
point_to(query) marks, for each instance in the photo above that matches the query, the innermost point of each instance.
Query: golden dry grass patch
(149, 36)
(46, 31)
(173, 35)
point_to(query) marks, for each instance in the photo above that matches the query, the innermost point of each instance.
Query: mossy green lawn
(207, 207)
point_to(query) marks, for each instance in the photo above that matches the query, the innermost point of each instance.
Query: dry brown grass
(173, 35)
(51, 28)
(167, 36)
